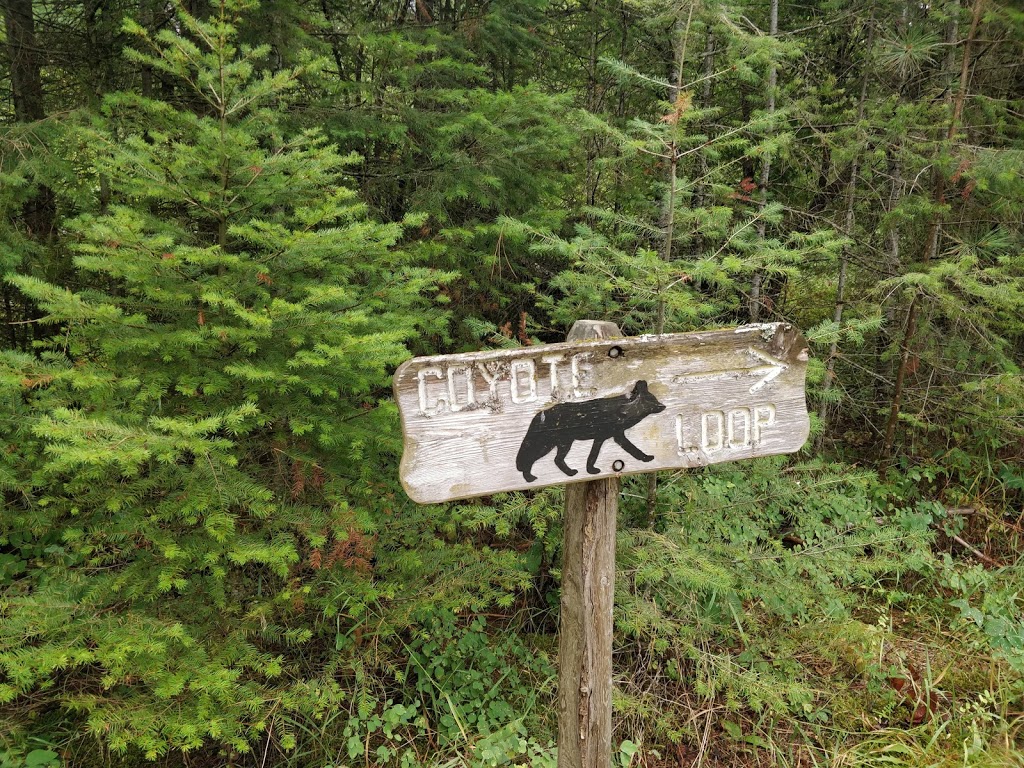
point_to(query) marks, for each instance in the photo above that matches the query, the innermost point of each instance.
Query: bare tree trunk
(26, 82)
(40, 211)
(620, 109)
(892, 250)
(27, 87)
(147, 21)
(339, 60)
(939, 179)
(701, 189)
(668, 213)
(827, 408)
(592, 105)
(892, 267)
(901, 375)
(757, 285)
(934, 234)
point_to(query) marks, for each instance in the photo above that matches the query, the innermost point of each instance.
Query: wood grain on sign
(484, 422)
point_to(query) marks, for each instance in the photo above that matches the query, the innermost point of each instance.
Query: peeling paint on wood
(485, 422)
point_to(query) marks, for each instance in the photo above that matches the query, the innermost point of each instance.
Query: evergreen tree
(676, 240)
(442, 100)
(184, 442)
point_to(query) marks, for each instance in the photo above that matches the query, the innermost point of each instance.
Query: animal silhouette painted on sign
(558, 427)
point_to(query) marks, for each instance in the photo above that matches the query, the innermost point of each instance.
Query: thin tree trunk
(932, 241)
(592, 104)
(757, 284)
(147, 21)
(620, 111)
(701, 190)
(668, 213)
(901, 375)
(27, 87)
(939, 178)
(339, 61)
(827, 408)
(39, 212)
(12, 334)
(26, 82)
(892, 247)
(892, 267)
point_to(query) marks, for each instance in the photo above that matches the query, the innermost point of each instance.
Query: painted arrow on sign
(504, 420)
(768, 372)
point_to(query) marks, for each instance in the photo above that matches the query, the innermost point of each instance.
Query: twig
(975, 551)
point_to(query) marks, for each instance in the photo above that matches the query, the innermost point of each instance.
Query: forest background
(225, 223)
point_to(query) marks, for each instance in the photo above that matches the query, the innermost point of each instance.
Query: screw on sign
(583, 413)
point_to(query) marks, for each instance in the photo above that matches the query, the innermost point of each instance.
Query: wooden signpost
(520, 419)
(584, 413)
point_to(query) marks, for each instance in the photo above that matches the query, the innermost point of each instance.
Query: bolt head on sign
(485, 422)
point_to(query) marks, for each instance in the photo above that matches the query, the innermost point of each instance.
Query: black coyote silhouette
(605, 417)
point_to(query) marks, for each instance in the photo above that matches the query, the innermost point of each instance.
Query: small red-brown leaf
(35, 382)
(298, 479)
(524, 339)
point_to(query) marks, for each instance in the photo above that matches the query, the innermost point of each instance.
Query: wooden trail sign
(484, 422)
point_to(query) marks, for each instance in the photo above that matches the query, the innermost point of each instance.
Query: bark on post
(585, 619)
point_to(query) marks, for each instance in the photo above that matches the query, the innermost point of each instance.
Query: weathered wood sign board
(485, 422)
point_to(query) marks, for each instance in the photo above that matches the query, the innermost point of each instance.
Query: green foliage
(454, 687)
(238, 318)
(990, 610)
(468, 683)
(36, 758)
(744, 554)
(440, 136)
(238, 218)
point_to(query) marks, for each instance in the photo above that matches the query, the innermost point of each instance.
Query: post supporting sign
(584, 413)
(585, 618)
